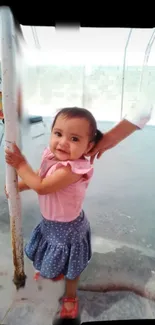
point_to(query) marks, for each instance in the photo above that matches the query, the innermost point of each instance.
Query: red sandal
(72, 313)
(58, 278)
(37, 276)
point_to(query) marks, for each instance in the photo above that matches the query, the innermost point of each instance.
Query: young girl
(61, 244)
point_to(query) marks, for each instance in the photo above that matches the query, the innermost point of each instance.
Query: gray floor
(121, 208)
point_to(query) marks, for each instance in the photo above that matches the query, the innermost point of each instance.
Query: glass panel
(88, 67)
(134, 69)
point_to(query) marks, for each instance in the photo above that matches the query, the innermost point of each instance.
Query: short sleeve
(81, 166)
(46, 153)
(139, 114)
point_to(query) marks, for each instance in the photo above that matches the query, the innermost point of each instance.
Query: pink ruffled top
(64, 205)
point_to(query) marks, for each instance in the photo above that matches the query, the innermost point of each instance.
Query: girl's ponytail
(98, 136)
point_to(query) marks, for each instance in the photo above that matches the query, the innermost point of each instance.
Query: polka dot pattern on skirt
(60, 247)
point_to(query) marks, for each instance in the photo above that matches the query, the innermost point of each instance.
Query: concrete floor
(121, 208)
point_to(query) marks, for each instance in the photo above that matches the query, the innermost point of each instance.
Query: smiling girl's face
(70, 138)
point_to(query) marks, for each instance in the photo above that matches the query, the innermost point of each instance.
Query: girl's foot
(36, 275)
(58, 278)
(69, 308)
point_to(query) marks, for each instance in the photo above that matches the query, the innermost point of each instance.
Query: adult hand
(107, 142)
(111, 138)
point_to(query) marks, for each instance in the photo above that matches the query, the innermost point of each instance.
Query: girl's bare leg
(71, 292)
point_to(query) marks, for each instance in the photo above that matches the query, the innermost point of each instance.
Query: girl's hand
(6, 193)
(14, 158)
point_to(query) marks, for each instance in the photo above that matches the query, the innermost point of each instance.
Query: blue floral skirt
(60, 247)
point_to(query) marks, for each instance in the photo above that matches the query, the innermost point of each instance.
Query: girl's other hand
(14, 158)
(6, 193)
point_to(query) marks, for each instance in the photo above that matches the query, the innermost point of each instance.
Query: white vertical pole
(123, 74)
(84, 86)
(9, 99)
(145, 61)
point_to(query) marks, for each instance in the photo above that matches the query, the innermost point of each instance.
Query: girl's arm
(60, 179)
(22, 186)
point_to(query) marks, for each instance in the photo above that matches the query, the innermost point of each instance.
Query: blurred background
(87, 67)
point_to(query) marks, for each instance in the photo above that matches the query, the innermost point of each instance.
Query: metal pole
(37, 45)
(9, 98)
(123, 73)
(146, 58)
(35, 36)
(84, 86)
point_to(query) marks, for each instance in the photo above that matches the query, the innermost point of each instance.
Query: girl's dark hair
(72, 112)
